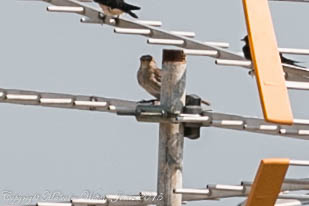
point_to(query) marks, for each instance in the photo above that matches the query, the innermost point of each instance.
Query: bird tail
(284, 59)
(297, 65)
(290, 61)
(129, 7)
(205, 102)
(132, 14)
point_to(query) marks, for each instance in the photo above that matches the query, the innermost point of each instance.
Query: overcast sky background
(69, 151)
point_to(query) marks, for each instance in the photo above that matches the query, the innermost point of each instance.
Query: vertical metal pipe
(171, 135)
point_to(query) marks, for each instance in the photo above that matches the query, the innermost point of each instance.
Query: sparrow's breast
(111, 12)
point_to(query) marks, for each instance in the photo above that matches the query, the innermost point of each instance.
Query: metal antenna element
(184, 40)
(211, 192)
(299, 130)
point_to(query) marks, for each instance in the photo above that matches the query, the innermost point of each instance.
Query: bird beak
(243, 39)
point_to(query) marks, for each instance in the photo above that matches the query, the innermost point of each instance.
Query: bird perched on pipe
(247, 53)
(117, 7)
(149, 77)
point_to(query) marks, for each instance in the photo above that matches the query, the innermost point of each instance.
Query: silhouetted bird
(117, 7)
(149, 77)
(247, 53)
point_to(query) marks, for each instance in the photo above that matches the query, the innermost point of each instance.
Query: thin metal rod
(56, 101)
(192, 118)
(297, 85)
(90, 21)
(132, 31)
(303, 132)
(226, 187)
(269, 127)
(148, 194)
(53, 204)
(150, 23)
(184, 33)
(218, 44)
(171, 135)
(165, 41)
(228, 122)
(67, 9)
(90, 104)
(232, 123)
(120, 200)
(294, 51)
(89, 202)
(301, 121)
(2, 95)
(227, 62)
(22, 97)
(294, 196)
(195, 52)
(299, 163)
(192, 191)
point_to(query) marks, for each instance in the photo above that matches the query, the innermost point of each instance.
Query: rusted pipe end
(173, 56)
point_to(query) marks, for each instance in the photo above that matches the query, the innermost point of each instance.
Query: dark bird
(247, 53)
(149, 77)
(117, 7)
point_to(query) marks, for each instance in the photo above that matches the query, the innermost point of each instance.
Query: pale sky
(46, 150)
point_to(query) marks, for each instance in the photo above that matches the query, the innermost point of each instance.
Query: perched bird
(246, 48)
(117, 7)
(149, 77)
(247, 53)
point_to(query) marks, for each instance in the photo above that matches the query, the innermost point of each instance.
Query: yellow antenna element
(267, 63)
(268, 182)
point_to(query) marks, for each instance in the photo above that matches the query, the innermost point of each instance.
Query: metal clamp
(193, 106)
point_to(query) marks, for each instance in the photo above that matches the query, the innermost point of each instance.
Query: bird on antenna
(117, 7)
(149, 77)
(247, 54)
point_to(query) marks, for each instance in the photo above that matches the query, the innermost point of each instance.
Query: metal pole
(171, 135)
